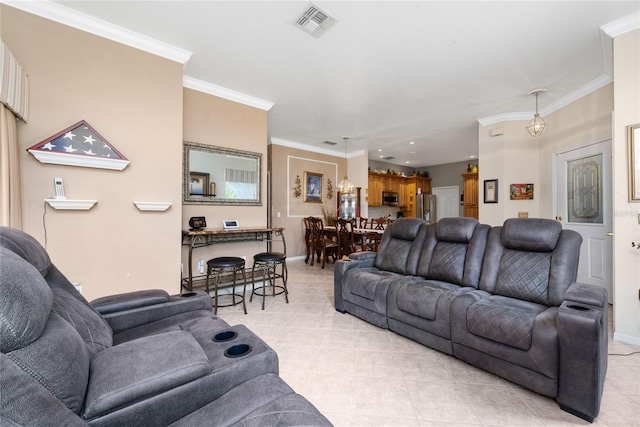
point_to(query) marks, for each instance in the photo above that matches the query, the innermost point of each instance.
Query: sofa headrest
(531, 234)
(406, 228)
(26, 247)
(456, 230)
(25, 304)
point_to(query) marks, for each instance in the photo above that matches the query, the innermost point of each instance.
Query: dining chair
(308, 242)
(379, 223)
(345, 231)
(363, 222)
(321, 244)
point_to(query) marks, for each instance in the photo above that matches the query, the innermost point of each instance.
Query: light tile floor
(361, 375)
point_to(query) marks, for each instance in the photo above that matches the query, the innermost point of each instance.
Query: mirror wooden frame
(191, 199)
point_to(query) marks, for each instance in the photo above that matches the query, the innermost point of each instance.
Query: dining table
(361, 235)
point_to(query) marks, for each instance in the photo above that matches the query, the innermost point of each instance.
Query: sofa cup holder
(188, 294)
(578, 307)
(238, 350)
(225, 336)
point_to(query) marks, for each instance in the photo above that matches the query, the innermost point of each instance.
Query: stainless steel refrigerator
(426, 207)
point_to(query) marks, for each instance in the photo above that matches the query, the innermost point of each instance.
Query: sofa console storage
(503, 299)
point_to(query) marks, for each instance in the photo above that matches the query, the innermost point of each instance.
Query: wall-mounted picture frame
(491, 191)
(312, 187)
(521, 192)
(198, 183)
(634, 163)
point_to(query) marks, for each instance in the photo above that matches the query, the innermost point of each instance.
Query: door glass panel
(584, 190)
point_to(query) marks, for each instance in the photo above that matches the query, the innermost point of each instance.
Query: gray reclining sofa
(503, 299)
(149, 359)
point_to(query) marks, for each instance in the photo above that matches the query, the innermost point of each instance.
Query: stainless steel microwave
(390, 198)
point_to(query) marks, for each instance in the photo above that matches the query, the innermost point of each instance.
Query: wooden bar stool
(226, 264)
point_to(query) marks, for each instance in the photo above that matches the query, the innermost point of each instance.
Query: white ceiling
(388, 72)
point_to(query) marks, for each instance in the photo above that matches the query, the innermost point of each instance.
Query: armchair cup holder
(225, 336)
(238, 350)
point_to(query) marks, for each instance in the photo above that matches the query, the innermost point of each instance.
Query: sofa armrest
(583, 343)
(363, 256)
(141, 369)
(356, 260)
(129, 300)
(141, 315)
(586, 294)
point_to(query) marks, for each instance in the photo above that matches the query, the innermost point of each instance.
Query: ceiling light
(345, 185)
(411, 143)
(537, 125)
(379, 149)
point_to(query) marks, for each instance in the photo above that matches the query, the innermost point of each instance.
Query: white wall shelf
(153, 206)
(67, 204)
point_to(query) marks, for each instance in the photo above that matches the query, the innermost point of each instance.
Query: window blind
(14, 84)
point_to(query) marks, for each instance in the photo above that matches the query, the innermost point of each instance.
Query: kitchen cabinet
(411, 189)
(470, 200)
(374, 197)
(406, 187)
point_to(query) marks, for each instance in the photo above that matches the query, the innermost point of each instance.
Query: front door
(583, 203)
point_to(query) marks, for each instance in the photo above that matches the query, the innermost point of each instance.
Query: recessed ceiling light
(411, 143)
(407, 162)
(381, 156)
(473, 157)
(379, 149)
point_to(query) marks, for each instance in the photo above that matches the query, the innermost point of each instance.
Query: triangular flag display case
(79, 145)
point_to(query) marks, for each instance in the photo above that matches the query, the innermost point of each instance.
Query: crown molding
(581, 92)
(312, 149)
(98, 27)
(622, 25)
(231, 95)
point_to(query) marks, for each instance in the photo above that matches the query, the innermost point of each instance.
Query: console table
(209, 236)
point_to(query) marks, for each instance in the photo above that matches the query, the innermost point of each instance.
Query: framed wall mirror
(220, 176)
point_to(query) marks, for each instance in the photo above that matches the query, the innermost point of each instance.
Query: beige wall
(512, 158)
(289, 162)
(626, 227)
(216, 121)
(134, 100)
(583, 122)
(516, 157)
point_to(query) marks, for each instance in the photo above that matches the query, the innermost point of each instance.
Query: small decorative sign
(521, 192)
(79, 145)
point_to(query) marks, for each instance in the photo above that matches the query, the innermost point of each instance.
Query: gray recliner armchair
(165, 359)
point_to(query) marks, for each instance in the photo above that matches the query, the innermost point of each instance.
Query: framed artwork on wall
(312, 187)
(491, 191)
(634, 163)
(198, 183)
(521, 192)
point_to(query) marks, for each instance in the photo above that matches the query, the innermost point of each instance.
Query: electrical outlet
(201, 266)
(523, 214)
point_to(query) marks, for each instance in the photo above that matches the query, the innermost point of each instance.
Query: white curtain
(10, 200)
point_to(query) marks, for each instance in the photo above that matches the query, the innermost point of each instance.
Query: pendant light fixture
(345, 186)
(537, 125)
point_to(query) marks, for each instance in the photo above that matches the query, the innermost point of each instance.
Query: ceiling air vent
(329, 142)
(388, 158)
(314, 21)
